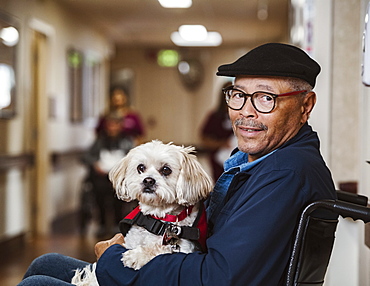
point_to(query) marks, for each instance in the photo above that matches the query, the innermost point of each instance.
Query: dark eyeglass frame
(245, 95)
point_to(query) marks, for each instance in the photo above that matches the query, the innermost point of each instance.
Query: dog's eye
(141, 168)
(165, 171)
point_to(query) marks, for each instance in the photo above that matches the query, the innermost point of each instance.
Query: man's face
(260, 133)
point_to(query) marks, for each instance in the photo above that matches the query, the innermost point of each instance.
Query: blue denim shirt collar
(238, 162)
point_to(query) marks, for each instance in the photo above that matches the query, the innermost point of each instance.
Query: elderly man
(276, 170)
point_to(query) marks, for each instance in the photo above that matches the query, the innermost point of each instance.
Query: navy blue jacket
(252, 238)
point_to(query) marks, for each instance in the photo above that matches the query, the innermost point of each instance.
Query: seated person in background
(109, 147)
(131, 124)
(276, 170)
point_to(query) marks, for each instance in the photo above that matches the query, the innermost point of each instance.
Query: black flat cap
(274, 59)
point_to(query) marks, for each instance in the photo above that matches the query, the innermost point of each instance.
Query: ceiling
(146, 23)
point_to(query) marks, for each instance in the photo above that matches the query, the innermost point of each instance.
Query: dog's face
(158, 174)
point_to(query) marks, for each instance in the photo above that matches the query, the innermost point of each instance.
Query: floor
(65, 238)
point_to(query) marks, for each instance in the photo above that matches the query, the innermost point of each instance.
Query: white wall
(344, 108)
(321, 52)
(364, 135)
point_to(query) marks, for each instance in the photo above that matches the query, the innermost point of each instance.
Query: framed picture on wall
(84, 79)
(9, 38)
(75, 80)
(92, 78)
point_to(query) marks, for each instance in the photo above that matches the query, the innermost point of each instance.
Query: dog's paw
(135, 259)
(138, 257)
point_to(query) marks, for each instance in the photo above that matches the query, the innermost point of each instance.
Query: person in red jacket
(216, 134)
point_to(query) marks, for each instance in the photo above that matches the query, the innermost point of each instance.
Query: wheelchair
(313, 243)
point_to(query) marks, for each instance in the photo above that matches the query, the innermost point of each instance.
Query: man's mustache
(249, 123)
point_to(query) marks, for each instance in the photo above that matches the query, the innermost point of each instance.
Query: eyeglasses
(263, 102)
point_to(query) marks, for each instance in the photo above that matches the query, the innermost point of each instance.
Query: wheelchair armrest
(352, 198)
(344, 209)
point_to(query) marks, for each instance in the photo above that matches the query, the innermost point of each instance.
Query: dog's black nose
(148, 182)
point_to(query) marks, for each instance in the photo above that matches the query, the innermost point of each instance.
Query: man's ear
(308, 104)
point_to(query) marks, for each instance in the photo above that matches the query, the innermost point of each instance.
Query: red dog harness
(164, 226)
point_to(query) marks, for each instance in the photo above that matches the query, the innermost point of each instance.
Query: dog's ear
(193, 183)
(117, 176)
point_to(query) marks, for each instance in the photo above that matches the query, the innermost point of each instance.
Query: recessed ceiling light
(195, 36)
(193, 32)
(175, 3)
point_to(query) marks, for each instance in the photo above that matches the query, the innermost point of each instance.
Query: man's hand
(102, 246)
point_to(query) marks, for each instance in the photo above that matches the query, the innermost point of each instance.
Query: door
(39, 119)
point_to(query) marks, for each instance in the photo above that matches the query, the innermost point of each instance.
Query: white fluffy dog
(169, 184)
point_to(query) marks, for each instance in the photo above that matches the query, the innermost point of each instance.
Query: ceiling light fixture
(175, 3)
(195, 36)
(193, 32)
(9, 36)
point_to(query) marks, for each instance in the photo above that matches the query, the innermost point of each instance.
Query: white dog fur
(165, 179)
